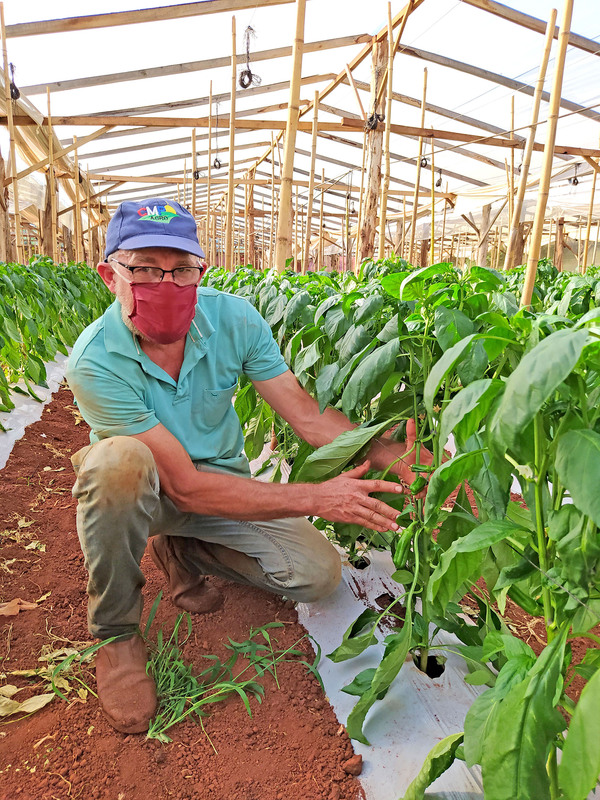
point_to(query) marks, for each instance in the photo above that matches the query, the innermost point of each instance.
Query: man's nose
(170, 273)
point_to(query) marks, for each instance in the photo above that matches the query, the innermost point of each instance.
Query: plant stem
(540, 471)
(552, 767)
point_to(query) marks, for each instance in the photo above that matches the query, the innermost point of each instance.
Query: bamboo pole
(194, 167)
(272, 230)
(444, 226)
(262, 238)
(589, 224)
(432, 248)
(360, 204)
(413, 224)
(89, 217)
(246, 226)
(345, 232)
(285, 195)
(209, 176)
(230, 190)
(78, 256)
(596, 242)
(386, 137)
(402, 246)
(296, 223)
(13, 157)
(511, 187)
(540, 210)
(53, 218)
(303, 242)
(311, 182)
(515, 220)
(321, 248)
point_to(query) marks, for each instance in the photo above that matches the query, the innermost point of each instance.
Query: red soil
(293, 747)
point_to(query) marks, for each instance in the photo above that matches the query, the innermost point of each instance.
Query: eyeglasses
(182, 276)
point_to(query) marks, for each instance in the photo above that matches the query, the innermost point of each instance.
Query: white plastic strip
(28, 410)
(417, 711)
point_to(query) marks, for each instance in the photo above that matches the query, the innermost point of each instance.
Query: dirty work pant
(120, 505)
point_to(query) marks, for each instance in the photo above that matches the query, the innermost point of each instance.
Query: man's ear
(107, 274)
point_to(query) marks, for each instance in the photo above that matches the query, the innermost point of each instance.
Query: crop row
(518, 391)
(43, 309)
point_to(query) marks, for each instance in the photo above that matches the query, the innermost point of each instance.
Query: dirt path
(292, 747)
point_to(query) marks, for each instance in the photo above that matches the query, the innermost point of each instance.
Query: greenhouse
(300, 400)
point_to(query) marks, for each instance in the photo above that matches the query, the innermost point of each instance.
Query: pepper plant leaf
(579, 768)
(437, 762)
(539, 373)
(578, 467)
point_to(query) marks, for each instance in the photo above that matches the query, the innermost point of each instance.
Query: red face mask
(163, 311)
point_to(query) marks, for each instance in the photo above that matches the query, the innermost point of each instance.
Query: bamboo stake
(78, 256)
(209, 174)
(534, 249)
(285, 195)
(413, 224)
(296, 221)
(360, 203)
(444, 226)
(311, 182)
(53, 220)
(356, 94)
(596, 242)
(89, 218)
(13, 158)
(321, 248)
(272, 231)
(262, 242)
(230, 199)
(345, 238)
(511, 186)
(432, 248)
(194, 168)
(386, 137)
(515, 219)
(246, 226)
(589, 224)
(303, 242)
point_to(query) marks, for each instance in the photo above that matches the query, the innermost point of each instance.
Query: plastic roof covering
(447, 27)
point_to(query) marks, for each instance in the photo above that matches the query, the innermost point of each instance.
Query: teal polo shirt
(122, 392)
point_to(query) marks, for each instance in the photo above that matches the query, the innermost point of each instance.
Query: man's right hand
(347, 498)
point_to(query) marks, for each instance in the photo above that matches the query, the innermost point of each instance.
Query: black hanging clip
(247, 77)
(14, 91)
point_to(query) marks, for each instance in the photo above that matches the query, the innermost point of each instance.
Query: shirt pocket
(216, 404)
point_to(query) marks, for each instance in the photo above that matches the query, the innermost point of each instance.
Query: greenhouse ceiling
(134, 86)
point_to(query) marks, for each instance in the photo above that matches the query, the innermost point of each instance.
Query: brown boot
(190, 592)
(126, 693)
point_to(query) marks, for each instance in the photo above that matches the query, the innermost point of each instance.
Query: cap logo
(157, 213)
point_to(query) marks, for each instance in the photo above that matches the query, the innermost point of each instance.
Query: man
(154, 378)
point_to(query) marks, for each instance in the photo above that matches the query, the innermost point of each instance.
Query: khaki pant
(120, 505)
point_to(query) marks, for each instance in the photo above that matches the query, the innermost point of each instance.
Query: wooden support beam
(191, 66)
(533, 24)
(346, 124)
(111, 20)
(311, 183)
(12, 144)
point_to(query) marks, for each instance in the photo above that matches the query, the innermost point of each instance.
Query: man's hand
(347, 498)
(384, 451)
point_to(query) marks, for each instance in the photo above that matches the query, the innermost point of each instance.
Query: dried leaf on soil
(12, 608)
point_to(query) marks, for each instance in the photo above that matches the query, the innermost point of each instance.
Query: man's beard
(125, 299)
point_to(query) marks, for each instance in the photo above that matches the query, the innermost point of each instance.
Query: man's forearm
(221, 495)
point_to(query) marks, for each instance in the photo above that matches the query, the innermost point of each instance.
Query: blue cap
(152, 223)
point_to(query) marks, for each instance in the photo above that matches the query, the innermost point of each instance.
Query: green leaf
(325, 385)
(477, 722)
(369, 377)
(294, 308)
(467, 409)
(450, 326)
(524, 725)
(578, 467)
(412, 286)
(439, 758)
(447, 477)
(354, 340)
(441, 368)
(396, 650)
(537, 376)
(353, 641)
(370, 308)
(329, 460)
